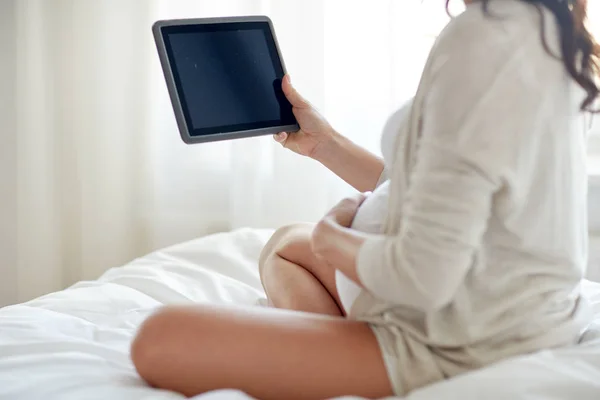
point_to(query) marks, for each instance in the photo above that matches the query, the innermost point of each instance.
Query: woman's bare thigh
(267, 353)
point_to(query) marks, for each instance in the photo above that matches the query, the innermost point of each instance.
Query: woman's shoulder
(483, 43)
(495, 30)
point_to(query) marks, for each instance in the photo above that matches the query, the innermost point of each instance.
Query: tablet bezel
(185, 130)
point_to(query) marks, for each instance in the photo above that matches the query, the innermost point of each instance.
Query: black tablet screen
(228, 77)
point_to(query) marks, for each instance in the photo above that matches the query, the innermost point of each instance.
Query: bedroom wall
(8, 161)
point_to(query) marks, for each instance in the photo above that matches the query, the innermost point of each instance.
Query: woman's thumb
(292, 94)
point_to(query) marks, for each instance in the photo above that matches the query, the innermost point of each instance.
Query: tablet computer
(224, 77)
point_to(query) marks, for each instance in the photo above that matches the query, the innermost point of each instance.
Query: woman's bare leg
(293, 278)
(267, 353)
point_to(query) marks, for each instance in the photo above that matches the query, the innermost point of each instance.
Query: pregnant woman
(471, 248)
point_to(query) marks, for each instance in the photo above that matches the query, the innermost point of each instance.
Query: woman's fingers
(280, 137)
(345, 211)
(286, 140)
(354, 201)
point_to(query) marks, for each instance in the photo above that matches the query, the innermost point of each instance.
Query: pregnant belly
(347, 290)
(372, 212)
(369, 218)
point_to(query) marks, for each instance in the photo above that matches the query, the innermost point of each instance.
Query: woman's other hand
(333, 243)
(341, 215)
(343, 212)
(315, 132)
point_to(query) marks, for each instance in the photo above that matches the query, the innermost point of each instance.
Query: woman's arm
(357, 166)
(318, 140)
(338, 246)
(443, 223)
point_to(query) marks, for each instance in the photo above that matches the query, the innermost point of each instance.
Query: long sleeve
(463, 158)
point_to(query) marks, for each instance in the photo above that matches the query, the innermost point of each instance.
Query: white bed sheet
(73, 345)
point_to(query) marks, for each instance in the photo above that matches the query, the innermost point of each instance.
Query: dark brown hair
(580, 51)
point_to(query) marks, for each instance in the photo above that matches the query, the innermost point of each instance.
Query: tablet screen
(228, 76)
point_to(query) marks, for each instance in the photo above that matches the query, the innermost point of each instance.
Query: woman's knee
(283, 237)
(150, 345)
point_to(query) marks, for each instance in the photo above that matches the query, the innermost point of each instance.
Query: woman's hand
(315, 132)
(343, 212)
(333, 243)
(318, 140)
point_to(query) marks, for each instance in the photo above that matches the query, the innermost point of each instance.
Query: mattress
(74, 344)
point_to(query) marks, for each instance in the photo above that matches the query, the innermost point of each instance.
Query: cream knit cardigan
(485, 240)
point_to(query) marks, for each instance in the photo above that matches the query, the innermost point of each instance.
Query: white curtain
(100, 175)
(93, 170)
